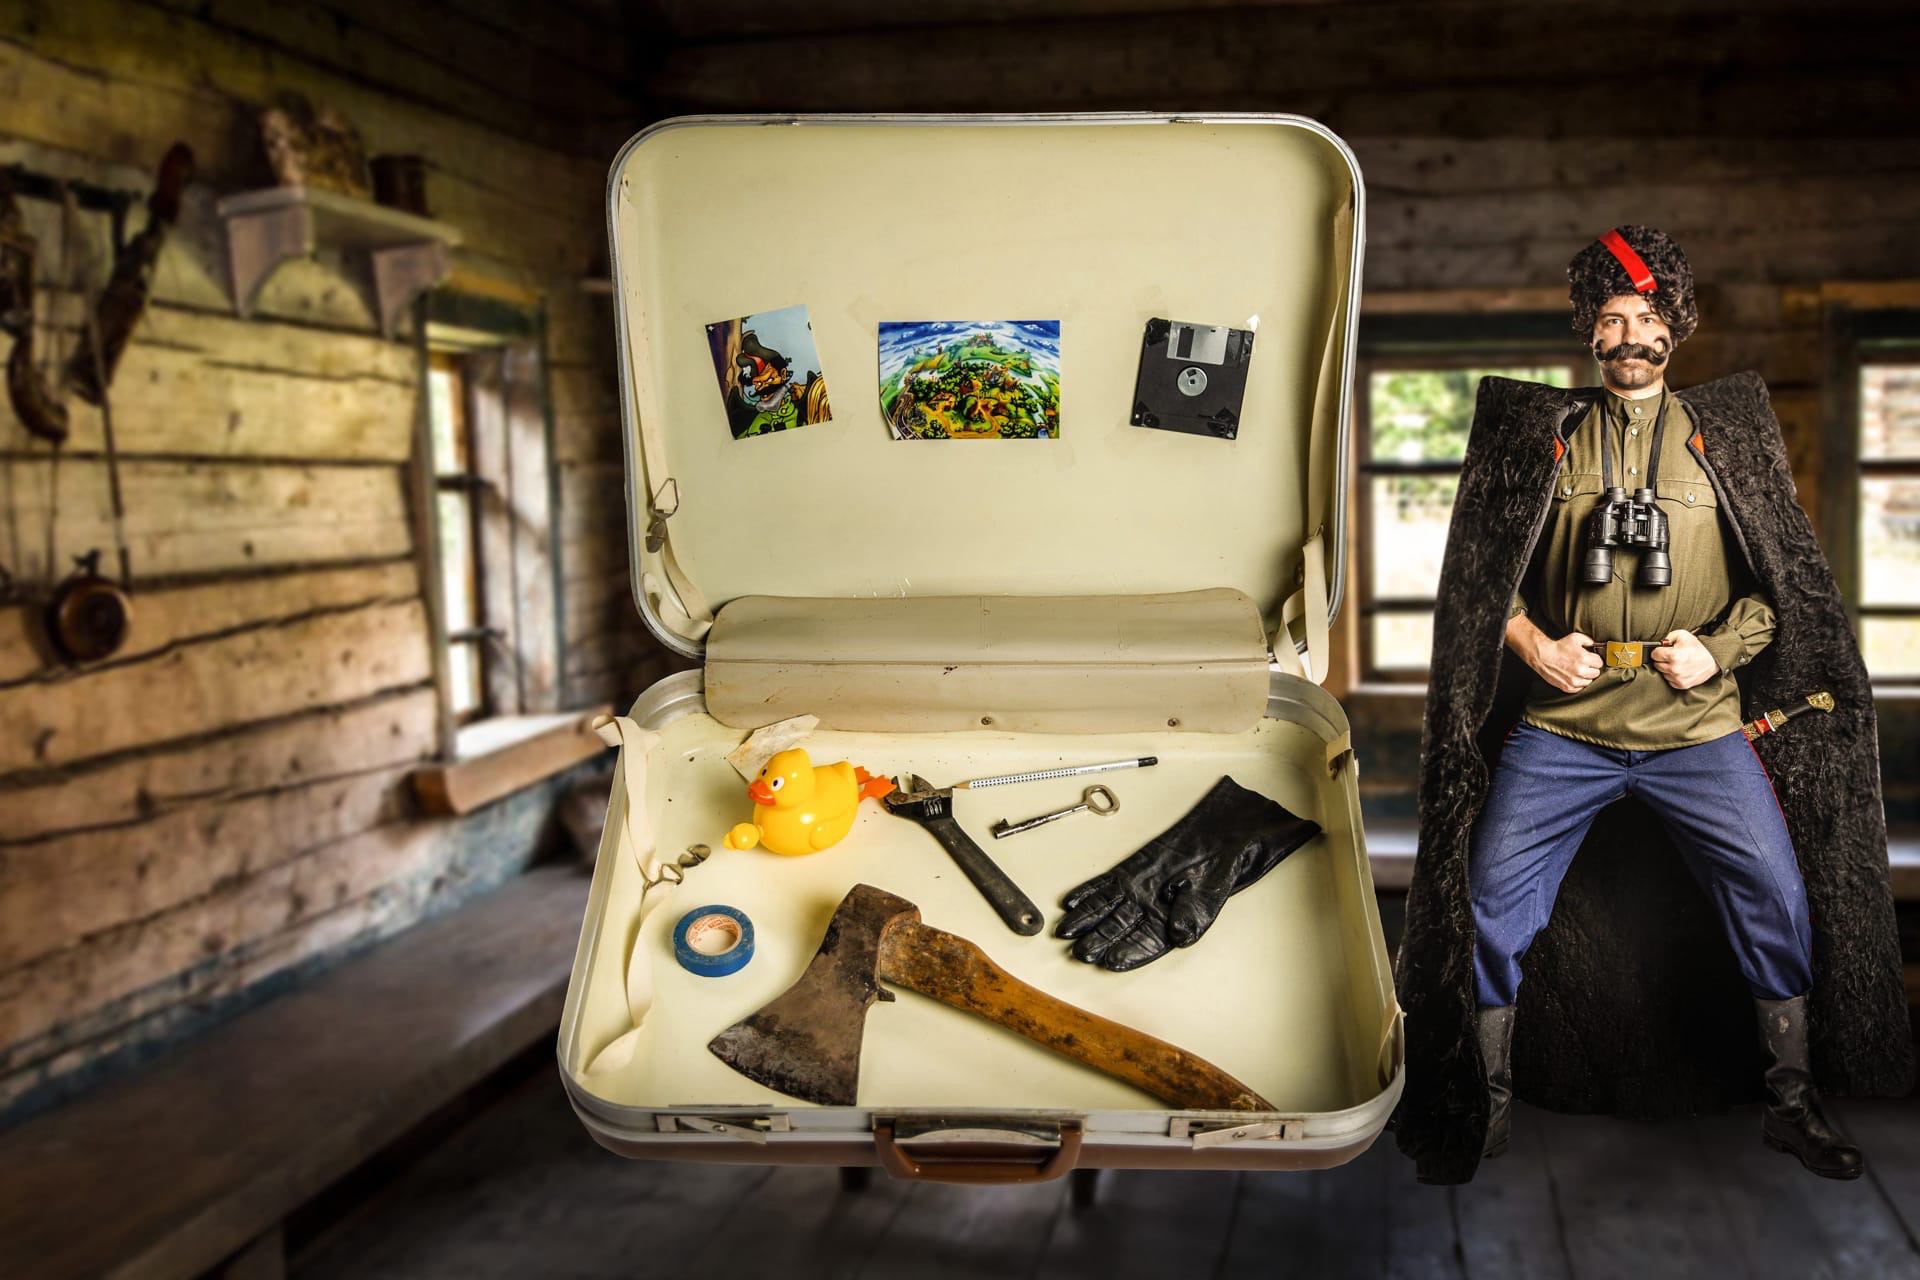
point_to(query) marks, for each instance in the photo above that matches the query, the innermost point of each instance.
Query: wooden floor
(522, 1191)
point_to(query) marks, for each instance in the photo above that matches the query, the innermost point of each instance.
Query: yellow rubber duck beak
(759, 792)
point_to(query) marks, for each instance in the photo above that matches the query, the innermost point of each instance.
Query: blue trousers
(1718, 805)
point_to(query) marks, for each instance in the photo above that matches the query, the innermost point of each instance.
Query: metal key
(1097, 800)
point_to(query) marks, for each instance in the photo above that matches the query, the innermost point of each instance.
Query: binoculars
(1635, 523)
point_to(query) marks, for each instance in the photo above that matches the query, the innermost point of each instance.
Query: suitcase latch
(745, 1128)
(1340, 756)
(1225, 1133)
(657, 517)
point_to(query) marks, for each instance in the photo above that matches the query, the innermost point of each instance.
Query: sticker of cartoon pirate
(769, 372)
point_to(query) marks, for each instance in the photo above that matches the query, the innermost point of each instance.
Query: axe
(807, 1042)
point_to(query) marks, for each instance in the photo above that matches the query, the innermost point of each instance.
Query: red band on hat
(1636, 269)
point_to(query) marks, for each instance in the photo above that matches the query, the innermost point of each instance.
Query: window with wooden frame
(1887, 524)
(457, 488)
(1418, 377)
(486, 495)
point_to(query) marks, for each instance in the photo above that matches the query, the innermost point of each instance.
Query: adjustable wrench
(932, 808)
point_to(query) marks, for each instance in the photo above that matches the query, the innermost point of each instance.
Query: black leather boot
(1496, 1038)
(1793, 1121)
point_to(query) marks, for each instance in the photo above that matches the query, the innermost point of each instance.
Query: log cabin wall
(225, 802)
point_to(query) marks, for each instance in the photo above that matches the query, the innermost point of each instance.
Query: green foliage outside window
(1418, 417)
(1423, 415)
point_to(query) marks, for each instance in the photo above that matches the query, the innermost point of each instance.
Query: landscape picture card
(970, 379)
(769, 372)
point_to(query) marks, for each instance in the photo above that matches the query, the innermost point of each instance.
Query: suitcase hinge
(1225, 1133)
(746, 1128)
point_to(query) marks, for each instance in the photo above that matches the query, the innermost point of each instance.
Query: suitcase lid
(1099, 221)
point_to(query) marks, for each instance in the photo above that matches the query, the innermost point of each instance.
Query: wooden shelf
(507, 755)
(265, 228)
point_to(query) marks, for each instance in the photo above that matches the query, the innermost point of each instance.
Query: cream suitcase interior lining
(1290, 991)
(1098, 222)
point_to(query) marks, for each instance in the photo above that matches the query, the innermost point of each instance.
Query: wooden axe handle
(956, 972)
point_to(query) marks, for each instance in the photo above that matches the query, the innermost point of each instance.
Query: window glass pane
(1422, 415)
(1409, 533)
(443, 404)
(1890, 411)
(463, 672)
(1890, 540)
(1891, 647)
(1402, 641)
(456, 560)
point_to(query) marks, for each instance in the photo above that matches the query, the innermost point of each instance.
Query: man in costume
(1625, 567)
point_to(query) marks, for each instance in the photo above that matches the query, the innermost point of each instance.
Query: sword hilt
(1821, 701)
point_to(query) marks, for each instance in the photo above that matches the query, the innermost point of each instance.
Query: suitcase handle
(977, 1170)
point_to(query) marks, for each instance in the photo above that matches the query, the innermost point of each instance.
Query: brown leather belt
(1626, 653)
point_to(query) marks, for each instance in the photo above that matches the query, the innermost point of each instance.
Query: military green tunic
(1634, 707)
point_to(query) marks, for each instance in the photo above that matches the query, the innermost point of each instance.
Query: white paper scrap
(764, 743)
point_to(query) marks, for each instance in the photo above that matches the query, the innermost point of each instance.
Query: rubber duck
(798, 808)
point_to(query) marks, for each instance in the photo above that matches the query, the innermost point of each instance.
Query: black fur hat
(1595, 275)
(750, 345)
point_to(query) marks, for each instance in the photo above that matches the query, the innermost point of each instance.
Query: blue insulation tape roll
(713, 941)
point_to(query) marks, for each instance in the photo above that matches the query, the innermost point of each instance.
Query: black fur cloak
(1632, 1003)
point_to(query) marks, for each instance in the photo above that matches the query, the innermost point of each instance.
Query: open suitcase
(956, 609)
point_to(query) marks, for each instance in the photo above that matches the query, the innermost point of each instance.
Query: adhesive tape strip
(713, 941)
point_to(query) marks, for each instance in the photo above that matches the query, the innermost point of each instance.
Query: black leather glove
(1168, 893)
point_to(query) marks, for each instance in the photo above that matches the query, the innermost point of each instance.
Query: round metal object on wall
(88, 618)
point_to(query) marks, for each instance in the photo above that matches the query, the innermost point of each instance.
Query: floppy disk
(1192, 378)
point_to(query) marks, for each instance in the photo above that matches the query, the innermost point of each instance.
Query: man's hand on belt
(1566, 664)
(1683, 661)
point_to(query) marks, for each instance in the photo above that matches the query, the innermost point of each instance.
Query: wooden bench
(201, 1154)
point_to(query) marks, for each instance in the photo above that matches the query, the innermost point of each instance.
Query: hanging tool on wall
(90, 614)
(87, 615)
(38, 409)
(17, 252)
(124, 300)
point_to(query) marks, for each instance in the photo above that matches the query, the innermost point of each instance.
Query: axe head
(807, 1042)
